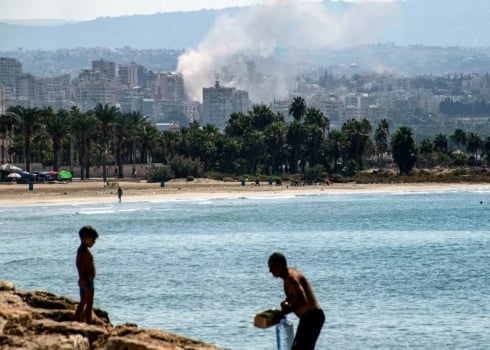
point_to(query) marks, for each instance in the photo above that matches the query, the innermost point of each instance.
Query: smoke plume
(260, 48)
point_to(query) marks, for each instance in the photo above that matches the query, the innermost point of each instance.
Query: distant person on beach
(301, 300)
(119, 193)
(86, 274)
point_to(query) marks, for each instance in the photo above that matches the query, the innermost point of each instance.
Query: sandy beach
(97, 191)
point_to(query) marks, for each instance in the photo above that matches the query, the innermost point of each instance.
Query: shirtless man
(86, 274)
(301, 300)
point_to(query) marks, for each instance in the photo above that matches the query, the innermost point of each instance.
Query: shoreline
(80, 192)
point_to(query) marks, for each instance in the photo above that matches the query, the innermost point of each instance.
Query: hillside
(428, 22)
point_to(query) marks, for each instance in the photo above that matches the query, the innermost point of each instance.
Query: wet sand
(91, 191)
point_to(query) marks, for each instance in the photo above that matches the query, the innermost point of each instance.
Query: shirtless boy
(301, 300)
(86, 274)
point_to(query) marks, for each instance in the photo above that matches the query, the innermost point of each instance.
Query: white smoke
(258, 34)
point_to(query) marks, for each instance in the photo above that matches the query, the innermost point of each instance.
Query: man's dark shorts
(310, 325)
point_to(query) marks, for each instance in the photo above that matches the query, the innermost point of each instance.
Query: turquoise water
(406, 270)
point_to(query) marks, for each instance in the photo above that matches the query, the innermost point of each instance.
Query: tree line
(259, 142)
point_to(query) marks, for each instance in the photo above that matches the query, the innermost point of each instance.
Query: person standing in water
(86, 274)
(119, 193)
(301, 300)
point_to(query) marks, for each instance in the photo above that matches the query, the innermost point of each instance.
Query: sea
(392, 270)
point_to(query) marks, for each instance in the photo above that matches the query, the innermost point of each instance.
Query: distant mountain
(36, 22)
(428, 22)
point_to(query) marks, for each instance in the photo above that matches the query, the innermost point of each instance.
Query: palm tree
(169, 142)
(404, 150)
(275, 145)
(298, 108)
(29, 119)
(381, 136)
(474, 144)
(106, 116)
(7, 121)
(358, 134)
(136, 123)
(261, 116)
(440, 143)
(84, 128)
(426, 150)
(316, 117)
(459, 137)
(238, 124)
(57, 127)
(149, 141)
(296, 137)
(486, 146)
(335, 145)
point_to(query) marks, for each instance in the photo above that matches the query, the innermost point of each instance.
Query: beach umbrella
(65, 175)
(9, 167)
(14, 176)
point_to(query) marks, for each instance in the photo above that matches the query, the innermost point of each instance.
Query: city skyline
(75, 10)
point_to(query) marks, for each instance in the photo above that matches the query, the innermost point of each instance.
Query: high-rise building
(107, 68)
(10, 70)
(170, 87)
(219, 102)
(132, 75)
(28, 88)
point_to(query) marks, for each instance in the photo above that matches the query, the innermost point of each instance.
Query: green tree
(316, 117)
(106, 116)
(426, 150)
(170, 142)
(358, 134)
(84, 129)
(149, 142)
(238, 124)
(7, 122)
(296, 137)
(486, 147)
(29, 119)
(440, 143)
(298, 108)
(57, 126)
(127, 130)
(276, 146)
(474, 145)
(404, 150)
(335, 148)
(381, 136)
(459, 138)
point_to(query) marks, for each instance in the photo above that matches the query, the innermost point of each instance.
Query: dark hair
(88, 231)
(278, 259)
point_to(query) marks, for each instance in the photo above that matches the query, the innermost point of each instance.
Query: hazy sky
(90, 9)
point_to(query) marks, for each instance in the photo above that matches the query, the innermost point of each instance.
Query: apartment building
(105, 68)
(219, 102)
(10, 70)
(2, 99)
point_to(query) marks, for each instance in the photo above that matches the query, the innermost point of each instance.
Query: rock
(40, 320)
(5, 285)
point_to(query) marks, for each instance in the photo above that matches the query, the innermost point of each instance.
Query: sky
(91, 9)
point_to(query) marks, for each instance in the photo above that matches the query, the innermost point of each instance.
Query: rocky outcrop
(41, 320)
